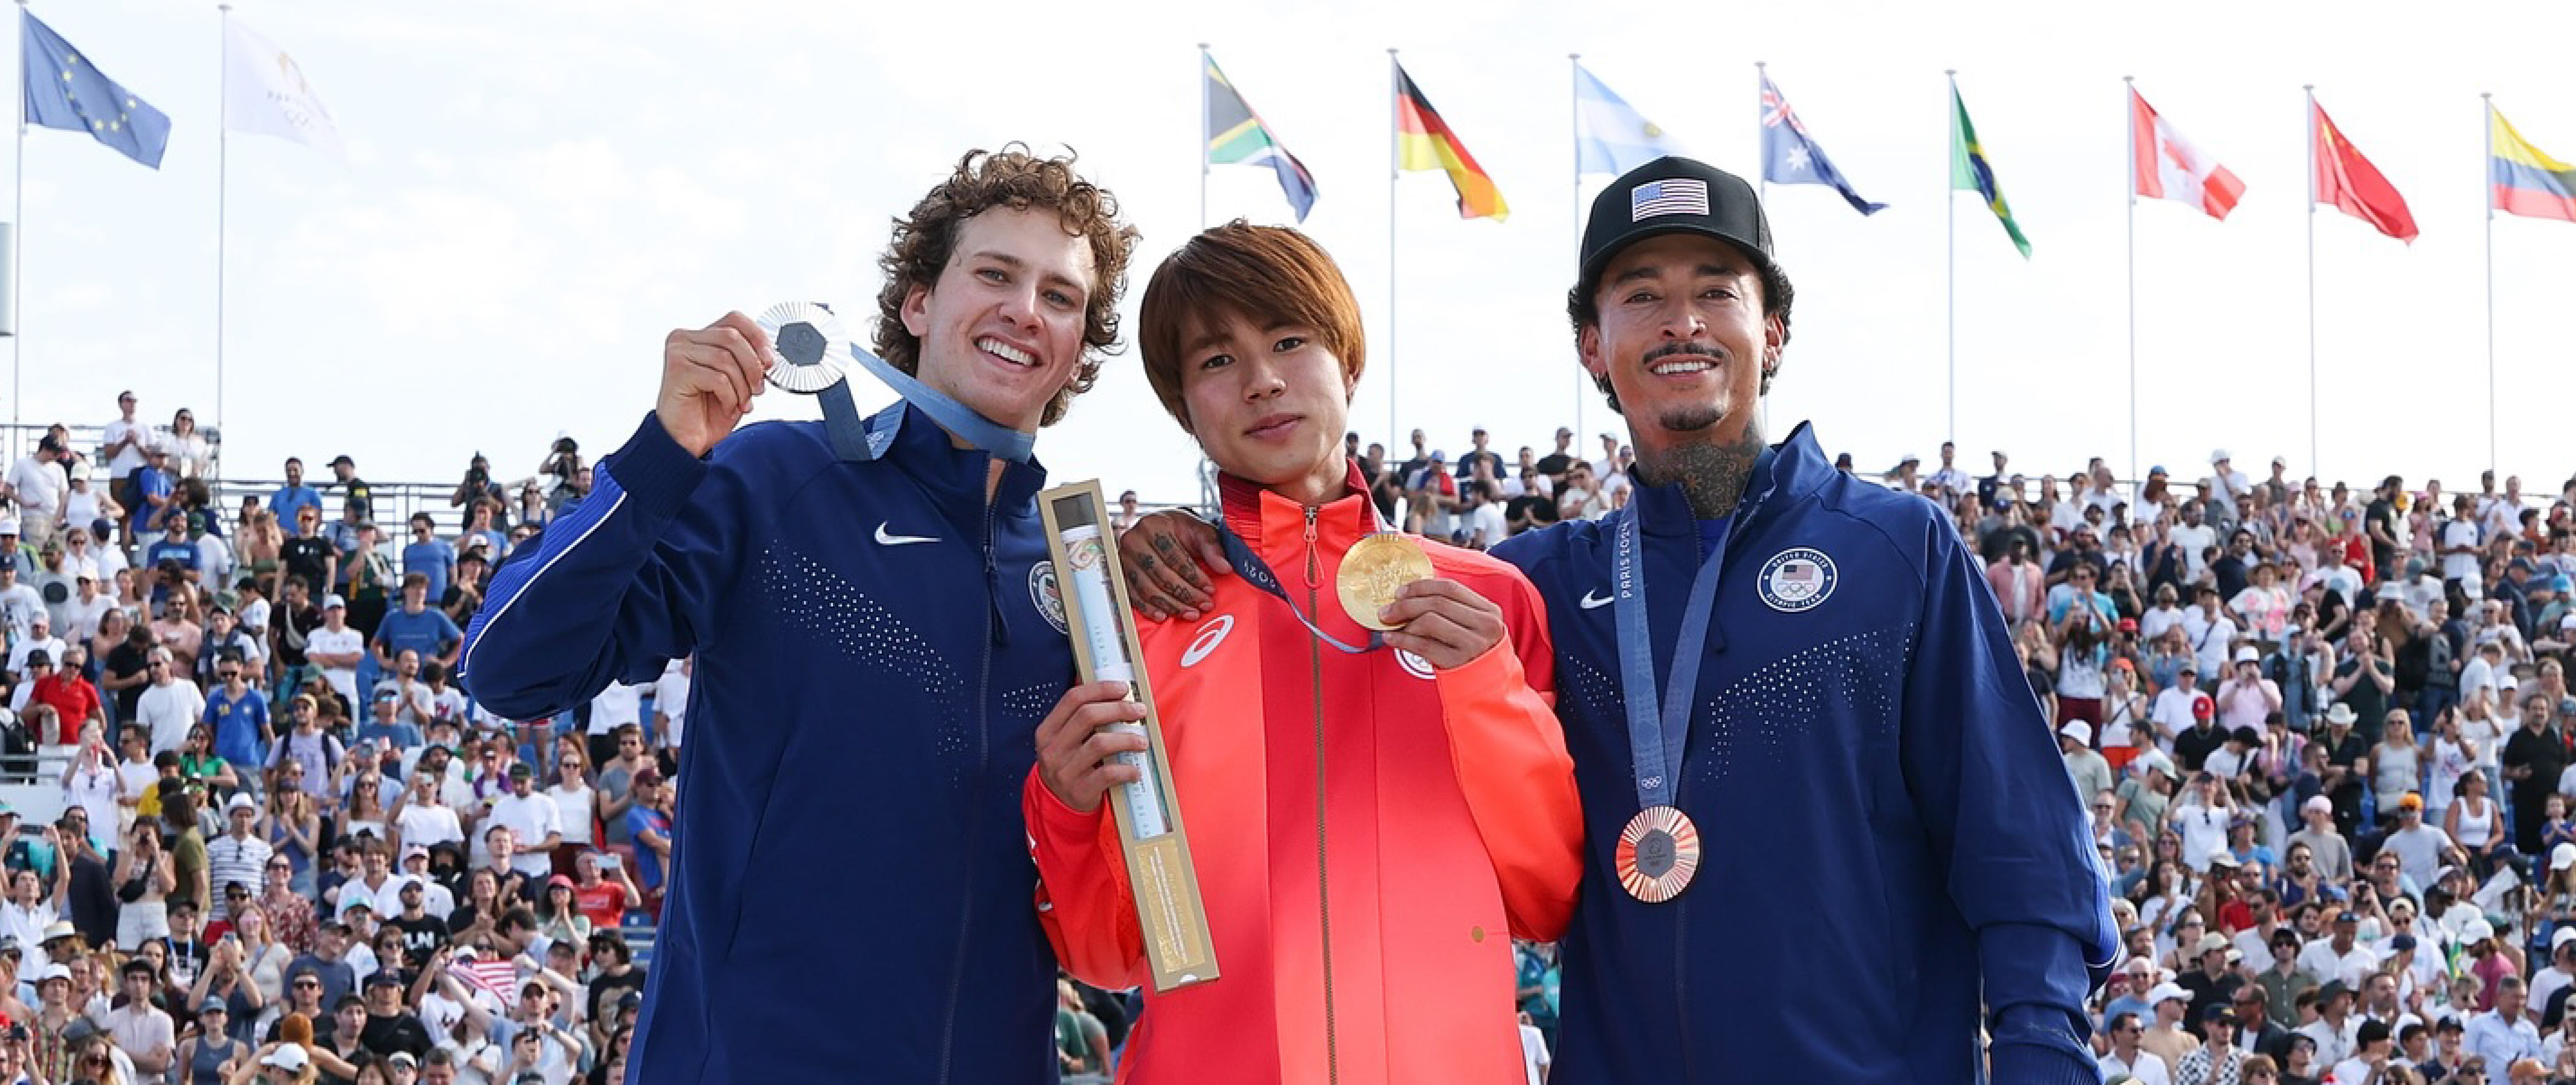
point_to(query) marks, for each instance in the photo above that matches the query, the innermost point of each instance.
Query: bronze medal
(1658, 854)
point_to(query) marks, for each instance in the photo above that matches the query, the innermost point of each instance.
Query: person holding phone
(145, 877)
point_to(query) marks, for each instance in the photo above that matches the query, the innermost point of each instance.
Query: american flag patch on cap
(1670, 196)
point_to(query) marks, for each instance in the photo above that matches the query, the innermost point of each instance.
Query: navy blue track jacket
(1890, 838)
(876, 645)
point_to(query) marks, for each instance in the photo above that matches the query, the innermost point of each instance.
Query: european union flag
(64, 90)
(1791, 157)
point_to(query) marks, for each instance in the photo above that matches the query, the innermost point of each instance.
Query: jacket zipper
(1323, 853)
(983, 698)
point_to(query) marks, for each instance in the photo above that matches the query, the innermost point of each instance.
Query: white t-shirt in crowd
(168, 710)
(344, 680)
(2195, 541)
(531, 820)
(2460, 567)
(40, 487)
(619, 704)
(671, 702)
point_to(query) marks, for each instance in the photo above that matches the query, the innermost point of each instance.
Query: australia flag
(1791, 157)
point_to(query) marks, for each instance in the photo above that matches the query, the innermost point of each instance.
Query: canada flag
(2167, 167)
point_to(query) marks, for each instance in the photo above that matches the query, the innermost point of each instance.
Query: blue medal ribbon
(806, 334)
(1658, 728)
(958, 419)
(1257, 573)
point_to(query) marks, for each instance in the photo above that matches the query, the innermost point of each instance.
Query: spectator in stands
(367, 577)
(155, 492)
(37, 486)
(428, 556)
(648, 823)
(336, 648)
(536, 825)
(354, 491)
(170, 704)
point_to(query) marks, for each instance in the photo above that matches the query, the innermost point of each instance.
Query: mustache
(1685, 346)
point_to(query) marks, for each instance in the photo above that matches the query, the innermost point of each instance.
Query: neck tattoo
(1712, 477)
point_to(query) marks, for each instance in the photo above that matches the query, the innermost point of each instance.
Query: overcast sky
(538, 191)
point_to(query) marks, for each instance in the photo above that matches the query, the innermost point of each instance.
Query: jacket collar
(1267, 520)
(918, 446)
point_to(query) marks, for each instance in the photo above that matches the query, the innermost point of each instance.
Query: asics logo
(1210, 635)
(886, 538)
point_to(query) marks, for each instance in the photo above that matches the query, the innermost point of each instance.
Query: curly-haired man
(798, 562)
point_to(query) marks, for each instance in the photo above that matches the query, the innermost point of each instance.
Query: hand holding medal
(1386, 582)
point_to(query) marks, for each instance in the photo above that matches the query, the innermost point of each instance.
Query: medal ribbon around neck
(811, 347)
(1659, 849)
(1258, 573)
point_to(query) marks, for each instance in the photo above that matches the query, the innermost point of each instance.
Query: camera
(566, 444)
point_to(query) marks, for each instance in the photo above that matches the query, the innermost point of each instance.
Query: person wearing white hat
(2166, 1037)
(2085, 765)
(279, 1063)
(2226, 483)
(336, 647)
(2561, 973)
(2246, 698)
(2326, 847)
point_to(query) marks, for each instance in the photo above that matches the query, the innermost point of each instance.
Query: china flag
(2357, 188)
(2168, 168)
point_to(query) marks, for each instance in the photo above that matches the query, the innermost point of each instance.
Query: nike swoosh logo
(1589, 603)
(885, 539)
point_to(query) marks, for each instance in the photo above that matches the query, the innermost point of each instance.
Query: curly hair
(1777, 297)
(926, 239)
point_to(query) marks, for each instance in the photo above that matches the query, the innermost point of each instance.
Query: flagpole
(223, 171)
(2129, 126)
(1950, 254)
(1761, 177)
(2486, 104)
(18, 234)
(1574, 80)
(1394, 170)
(1204, 64)
(2316, 463)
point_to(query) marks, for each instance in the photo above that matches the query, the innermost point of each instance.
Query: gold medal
(1658, 853)
(1375, 569)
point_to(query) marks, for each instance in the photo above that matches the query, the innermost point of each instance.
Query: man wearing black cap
(2217, 1059)
(390, 1026)
(359, 496)
(1898, 694)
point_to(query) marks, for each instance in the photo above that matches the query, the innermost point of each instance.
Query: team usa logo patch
(1043, 595)
(1797, 579)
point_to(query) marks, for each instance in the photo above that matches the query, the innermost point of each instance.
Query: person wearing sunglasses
(2128, 1059)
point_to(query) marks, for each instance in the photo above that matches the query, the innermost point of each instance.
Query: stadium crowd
(2320, 732)
(288, 848)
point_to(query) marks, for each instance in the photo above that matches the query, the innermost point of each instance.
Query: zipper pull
(1314, 561)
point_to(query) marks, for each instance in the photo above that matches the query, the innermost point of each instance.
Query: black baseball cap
(1673, 195)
